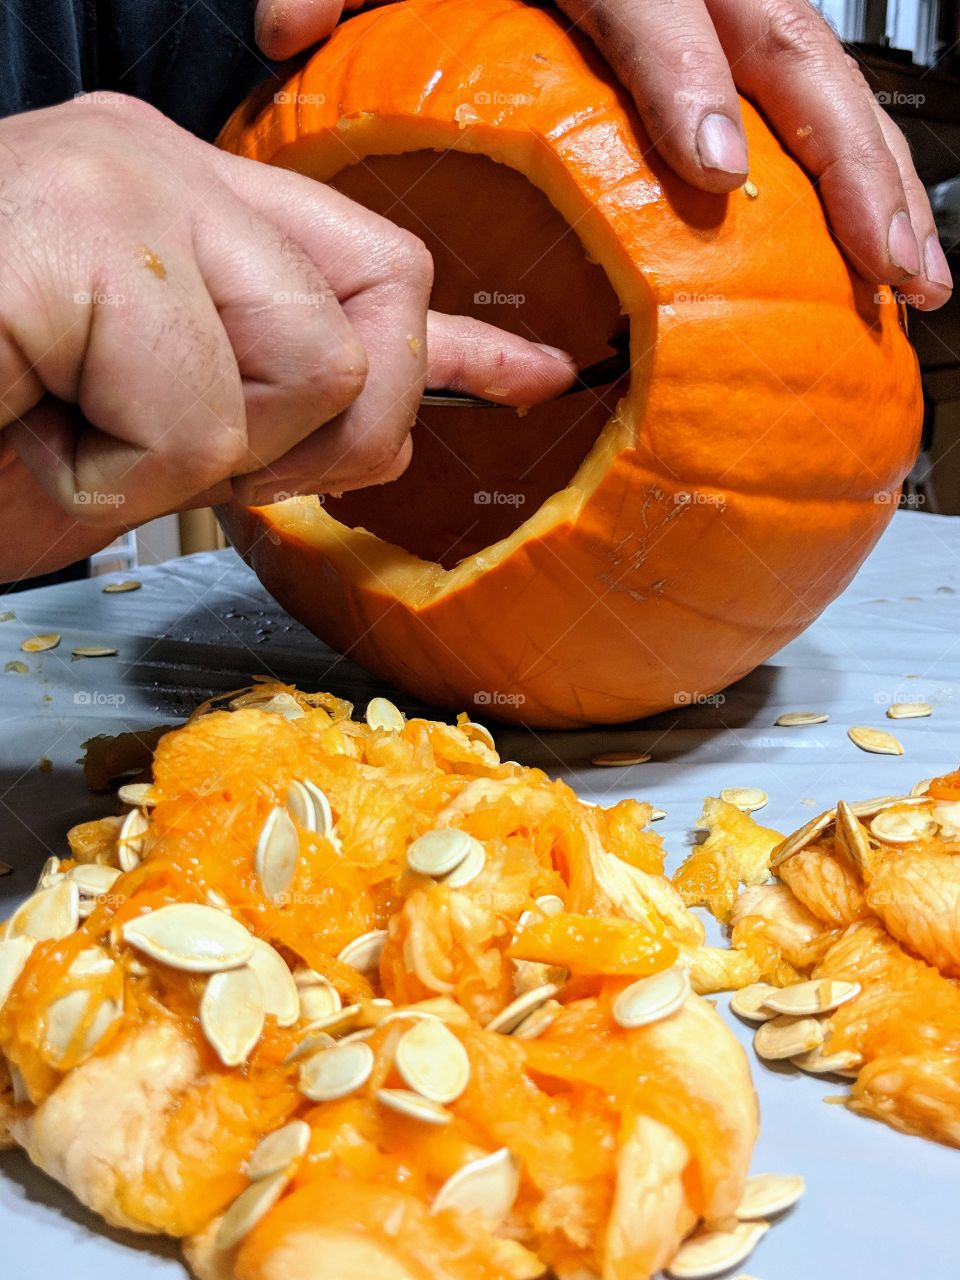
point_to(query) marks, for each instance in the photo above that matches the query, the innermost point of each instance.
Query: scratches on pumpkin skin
(628, 559)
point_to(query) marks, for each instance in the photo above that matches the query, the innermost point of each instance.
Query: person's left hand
(683, 61)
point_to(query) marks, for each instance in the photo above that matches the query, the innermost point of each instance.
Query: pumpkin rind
(772, 412)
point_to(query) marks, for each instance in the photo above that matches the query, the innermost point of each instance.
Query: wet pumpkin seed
(486, 1188)
(190, 936)
(279, 1150)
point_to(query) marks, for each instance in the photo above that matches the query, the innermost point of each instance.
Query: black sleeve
(192, 59)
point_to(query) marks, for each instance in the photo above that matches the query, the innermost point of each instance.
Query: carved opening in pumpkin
(504, 254)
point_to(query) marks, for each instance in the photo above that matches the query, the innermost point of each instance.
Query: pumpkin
(609, 555)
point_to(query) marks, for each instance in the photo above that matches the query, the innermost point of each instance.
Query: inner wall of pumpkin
(502, 253)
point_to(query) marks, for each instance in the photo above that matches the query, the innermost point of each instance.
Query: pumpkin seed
(115, 588)
(91, 962)
(17, 668)
(131, 840)
(897, 826)
(21, 1093)
(278, 1150)
(767, 1194)
(801, 838)
(382, 714)
(363, 953)
(50, 873)
(281, 704)
(550, 904)
(190, 936)
(510, 1017)
(281, 999)
(63, 1020)
(93, 651)
(337, 1072)
(338, 1020)
(845, 1062)
(867, 808)
(877, 741)
(785, 1037)
(652, 999)
(141, 795)
(93, 879)
(709, 1253)
(249, 1208)
(908, 710)
(40, 644)
(232, 1014)
(947, 814)
(534, 1024)
(309, 807)
(851, 838)
(479, 731)
(486, 1187)
(47, 914)
(657, 814)
(364, 1033)
(792, 719)
(319, 1000)
(438, 852)
(620, 759)
(819, 995)
(14, 953)
(309, 1046)
(304, 977)
(299, 804)
(748, 1002)
(921, 788)
(468, 870)
(748, 799)
(432, 1061)
(415, 1107)
(323, 813)
(277, 854)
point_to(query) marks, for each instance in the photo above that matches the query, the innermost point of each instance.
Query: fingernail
(902, 245)
(556, 353)
(935, 266)
(721, 144)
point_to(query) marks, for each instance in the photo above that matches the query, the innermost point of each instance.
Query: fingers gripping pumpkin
(609, 553)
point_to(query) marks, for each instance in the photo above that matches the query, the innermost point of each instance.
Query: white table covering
(879, 1205)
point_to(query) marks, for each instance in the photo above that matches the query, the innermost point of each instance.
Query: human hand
(683, 61)
(179, 326)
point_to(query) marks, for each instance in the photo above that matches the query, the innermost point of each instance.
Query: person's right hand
(179, 326)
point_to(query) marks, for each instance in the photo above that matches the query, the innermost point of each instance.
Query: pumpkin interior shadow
(505, 255)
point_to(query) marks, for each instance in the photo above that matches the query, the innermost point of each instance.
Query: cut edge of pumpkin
(386, 566)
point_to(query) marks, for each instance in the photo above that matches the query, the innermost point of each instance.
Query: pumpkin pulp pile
(365, 994)
(861, 932)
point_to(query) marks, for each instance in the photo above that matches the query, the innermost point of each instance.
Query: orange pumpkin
(605, 556)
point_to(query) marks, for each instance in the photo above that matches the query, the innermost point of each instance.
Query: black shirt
(192, 59)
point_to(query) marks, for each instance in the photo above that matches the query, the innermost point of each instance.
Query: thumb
(286, 27)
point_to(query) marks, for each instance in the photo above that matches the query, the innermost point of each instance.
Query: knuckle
(211, 455)
(415, 260)
(341, 376)
(796, 29)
